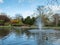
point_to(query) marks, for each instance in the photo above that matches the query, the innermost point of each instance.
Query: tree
(43, 15)
(56, 19)
(33, 20)
(4, 19)
(45, 20)
(40, 9)
(18, 16)
(28, 20)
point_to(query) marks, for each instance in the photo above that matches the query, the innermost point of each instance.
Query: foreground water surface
(29, 37)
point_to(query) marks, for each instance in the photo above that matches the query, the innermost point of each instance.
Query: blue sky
(24, 7)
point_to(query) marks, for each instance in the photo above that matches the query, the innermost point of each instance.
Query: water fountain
(43, 35)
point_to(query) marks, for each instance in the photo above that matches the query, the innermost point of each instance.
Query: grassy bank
(51, 28)
(27, 27)
(5, 27)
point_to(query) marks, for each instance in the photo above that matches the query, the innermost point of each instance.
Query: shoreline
(30, 27)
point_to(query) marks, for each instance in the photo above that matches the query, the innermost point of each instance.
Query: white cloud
(27, 13)
(54, 8)
(1, 1)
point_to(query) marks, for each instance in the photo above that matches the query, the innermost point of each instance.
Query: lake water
(29, 37)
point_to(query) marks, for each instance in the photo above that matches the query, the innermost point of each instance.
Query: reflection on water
(4, 32)
(29, 37)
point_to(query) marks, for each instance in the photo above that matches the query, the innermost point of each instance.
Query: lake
(29, 37)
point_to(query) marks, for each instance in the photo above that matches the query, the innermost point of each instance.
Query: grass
(5, 27)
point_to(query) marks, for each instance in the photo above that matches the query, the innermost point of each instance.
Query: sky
(23, 7)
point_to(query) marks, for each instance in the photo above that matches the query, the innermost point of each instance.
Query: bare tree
(56, 19)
